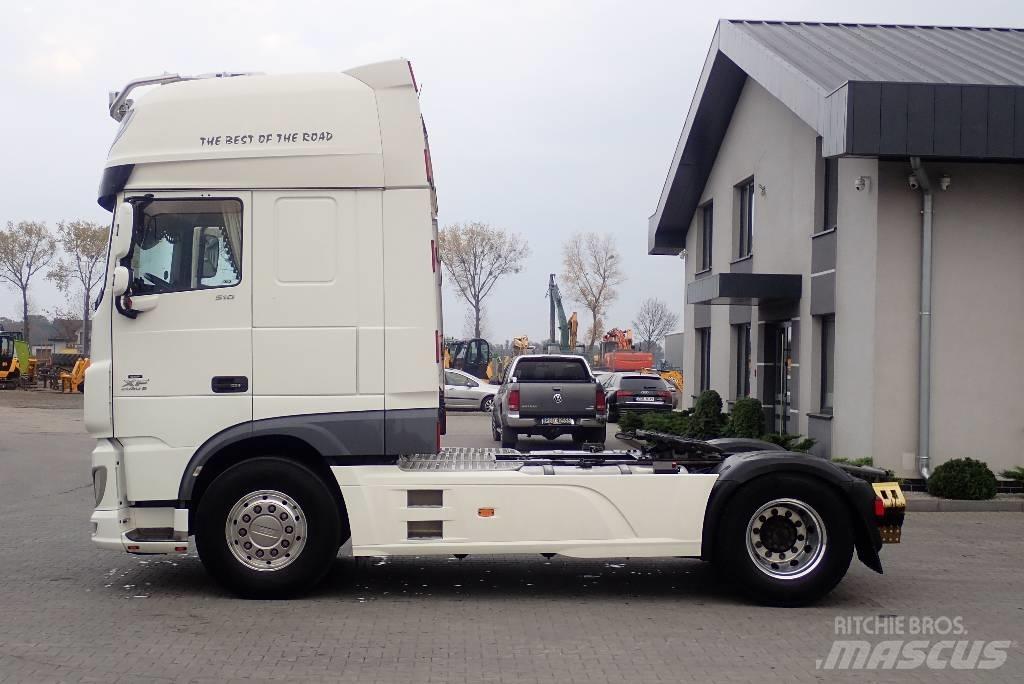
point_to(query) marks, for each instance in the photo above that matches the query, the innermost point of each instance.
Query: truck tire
(596, 435)
(495, 430)
(508, 438)
(268, 527)
(785, 540)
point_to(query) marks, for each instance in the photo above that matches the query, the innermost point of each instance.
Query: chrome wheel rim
(488, 405)
(265, 530)
(786, 539)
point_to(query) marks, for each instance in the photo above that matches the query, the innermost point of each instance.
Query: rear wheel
(487, 404)
(495, 430)
(785, 540)
(508, 438)
(268, 527)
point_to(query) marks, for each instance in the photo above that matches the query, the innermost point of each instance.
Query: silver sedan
(463, 391)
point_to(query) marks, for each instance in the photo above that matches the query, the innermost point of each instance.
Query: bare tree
(476, 255)
(85, 248)
(592, 272)
(653, 321)
(25, 249)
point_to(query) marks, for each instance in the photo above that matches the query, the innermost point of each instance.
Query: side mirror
(121, 240)
(120, 284)
(211, 256)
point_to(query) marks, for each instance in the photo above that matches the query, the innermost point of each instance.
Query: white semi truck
(266, 373)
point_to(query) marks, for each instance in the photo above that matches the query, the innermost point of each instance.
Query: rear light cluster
(665, 394)
(600, 400)
(513, 401)
(437, 346)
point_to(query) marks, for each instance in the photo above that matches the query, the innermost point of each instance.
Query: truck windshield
(551, 370)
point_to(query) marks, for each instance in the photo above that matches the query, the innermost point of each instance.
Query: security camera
(861, 183)
(912, 180)
(945, 181)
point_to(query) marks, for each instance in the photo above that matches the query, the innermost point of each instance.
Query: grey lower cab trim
(353, 438)
(113, 181)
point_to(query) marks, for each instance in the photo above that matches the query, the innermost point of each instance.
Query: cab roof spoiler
(119, 104)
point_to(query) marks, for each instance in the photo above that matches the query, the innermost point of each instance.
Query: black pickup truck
(549, 395)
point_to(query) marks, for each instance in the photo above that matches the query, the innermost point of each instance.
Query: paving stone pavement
(73, 613)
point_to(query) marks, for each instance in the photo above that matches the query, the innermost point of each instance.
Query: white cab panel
(584, 516)
(412, 376)
(318, 311)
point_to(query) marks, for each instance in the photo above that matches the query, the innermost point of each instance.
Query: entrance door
(778, 355)
(183, 365)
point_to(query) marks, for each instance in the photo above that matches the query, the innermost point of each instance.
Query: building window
(742, 333)
(704, 358)
(707, 227)
(828, 352)
(830, 195)
(745, 219)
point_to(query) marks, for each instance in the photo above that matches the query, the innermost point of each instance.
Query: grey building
(850, 199)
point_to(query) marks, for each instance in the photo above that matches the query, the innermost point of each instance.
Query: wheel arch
(741, 469)
(235, 446)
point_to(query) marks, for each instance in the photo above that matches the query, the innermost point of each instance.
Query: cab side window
(186, 244)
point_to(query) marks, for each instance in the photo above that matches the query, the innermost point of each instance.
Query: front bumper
(119, 527)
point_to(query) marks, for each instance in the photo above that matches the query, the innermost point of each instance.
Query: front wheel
(268, 527)
(785, 540)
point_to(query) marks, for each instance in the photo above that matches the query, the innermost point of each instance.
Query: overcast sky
(545, 118)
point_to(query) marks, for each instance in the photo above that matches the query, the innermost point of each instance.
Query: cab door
(182, 339)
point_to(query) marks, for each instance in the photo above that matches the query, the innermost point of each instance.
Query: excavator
(568, 328)
(618, 353)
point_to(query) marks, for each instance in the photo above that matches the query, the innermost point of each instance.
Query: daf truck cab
(280, 233)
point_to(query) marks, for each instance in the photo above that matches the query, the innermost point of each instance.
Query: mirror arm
(119, 305)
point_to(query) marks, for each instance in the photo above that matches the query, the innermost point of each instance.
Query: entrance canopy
(744, 288)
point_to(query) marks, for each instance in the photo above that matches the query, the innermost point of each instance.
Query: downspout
(924, 391)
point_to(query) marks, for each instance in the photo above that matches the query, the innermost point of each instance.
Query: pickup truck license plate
(556, 421)
(647, 399)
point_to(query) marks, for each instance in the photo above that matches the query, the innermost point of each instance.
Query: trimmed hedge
(963, 478)
(746, 419)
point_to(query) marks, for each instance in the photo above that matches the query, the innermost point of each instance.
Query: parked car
(549, 395)
(639, 392)
(463, 391)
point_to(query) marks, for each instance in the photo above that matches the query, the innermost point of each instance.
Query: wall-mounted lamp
(862, 183)
(945, 181)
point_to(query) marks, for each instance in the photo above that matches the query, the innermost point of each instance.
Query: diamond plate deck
(461, 459)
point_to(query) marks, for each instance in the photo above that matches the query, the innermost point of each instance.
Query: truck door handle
(224, 384)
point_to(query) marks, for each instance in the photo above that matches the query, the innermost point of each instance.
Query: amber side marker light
(485, 512)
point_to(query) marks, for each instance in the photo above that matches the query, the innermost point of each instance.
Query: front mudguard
(739, 469)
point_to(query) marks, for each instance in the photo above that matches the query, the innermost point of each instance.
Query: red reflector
(879, 508)
(513, 400)
(437, 346)
(181, 549)
(601, 401)
(133, 547)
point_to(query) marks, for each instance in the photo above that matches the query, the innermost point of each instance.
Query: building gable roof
(880, 90)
